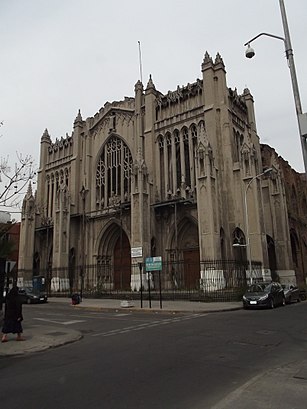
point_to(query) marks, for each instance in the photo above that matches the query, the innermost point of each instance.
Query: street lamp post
(248, 245)
(301, 117)
(82, 271)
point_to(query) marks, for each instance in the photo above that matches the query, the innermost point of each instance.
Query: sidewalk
(283, 387)
(167, 306)
(42, 337)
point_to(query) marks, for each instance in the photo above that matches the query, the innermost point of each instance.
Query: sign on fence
(153, 263)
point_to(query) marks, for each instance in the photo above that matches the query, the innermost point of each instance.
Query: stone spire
(29, 191)
(207, 62)
(28, 203)
(138, 86)
(78, 120)
(219, 60)
(150, 84)
(45, 137)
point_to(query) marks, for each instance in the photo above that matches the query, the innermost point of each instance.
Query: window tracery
(177, 157)
(113, 173)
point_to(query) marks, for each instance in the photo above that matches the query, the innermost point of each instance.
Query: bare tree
(13, 182)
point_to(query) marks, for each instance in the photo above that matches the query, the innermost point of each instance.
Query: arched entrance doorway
(185, 256)
(114, 259)
(122, 263)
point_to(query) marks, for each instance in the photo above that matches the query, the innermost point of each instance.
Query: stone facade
(295, 195)
(168, 175)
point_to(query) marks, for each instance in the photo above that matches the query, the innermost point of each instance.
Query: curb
(154, 310)
(39, 345)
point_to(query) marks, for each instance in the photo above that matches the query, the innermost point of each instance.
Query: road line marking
(146, 325)
(121, 315)
(59, 322)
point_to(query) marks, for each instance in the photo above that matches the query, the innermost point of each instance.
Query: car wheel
(28, 300)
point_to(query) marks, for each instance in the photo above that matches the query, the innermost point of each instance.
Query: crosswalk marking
(147, 325)
(59, 322)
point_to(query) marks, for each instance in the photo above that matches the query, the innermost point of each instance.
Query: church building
(176, 177)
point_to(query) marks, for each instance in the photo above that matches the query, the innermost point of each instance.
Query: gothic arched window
(185, 136)
(178, 158)
(113, 173)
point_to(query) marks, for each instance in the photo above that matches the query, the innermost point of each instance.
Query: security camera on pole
(301, 117)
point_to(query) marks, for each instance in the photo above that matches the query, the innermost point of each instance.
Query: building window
(168, 141)
(186, 157)
(161, 150)
(113, 173)
(178, 159)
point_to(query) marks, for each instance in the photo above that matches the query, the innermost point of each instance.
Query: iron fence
(211, 280)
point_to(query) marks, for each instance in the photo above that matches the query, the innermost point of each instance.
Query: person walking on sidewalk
(12, 315)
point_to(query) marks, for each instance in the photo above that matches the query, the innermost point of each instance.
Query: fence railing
(211, 280)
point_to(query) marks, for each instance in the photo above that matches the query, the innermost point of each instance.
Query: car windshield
(25, 290)
(256, 288)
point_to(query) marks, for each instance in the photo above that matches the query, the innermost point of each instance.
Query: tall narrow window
(194, 147)
(178, 163)
(187, 158)
(161, 150)
(113, 173)
(168, 141)
(48, 213)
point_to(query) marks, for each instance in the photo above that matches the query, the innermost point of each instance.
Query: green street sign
(153, 264)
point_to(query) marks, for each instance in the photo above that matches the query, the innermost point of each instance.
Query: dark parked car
(264, 295)
(292, 293)
(29, 296)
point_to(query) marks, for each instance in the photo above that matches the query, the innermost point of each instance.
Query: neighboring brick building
(9, 251)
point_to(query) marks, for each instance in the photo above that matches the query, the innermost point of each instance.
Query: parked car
(292, 293)
(29, 296)
(267, 295)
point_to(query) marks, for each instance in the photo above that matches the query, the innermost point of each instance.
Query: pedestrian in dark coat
(12, 315)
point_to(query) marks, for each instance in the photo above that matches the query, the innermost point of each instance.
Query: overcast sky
(63, 55)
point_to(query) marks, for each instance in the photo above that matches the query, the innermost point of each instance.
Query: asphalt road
(146, 360)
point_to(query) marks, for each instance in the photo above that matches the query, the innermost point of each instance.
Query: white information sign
(136, 252)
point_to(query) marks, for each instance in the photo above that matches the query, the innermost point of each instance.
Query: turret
(150, 96)
(45, 143)
(214, 80)
(220, 80)
(249, 100)
(26, 241)
(76, 163)
(138, 89)
(41, 173)
(208, 74)
(78, 123)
